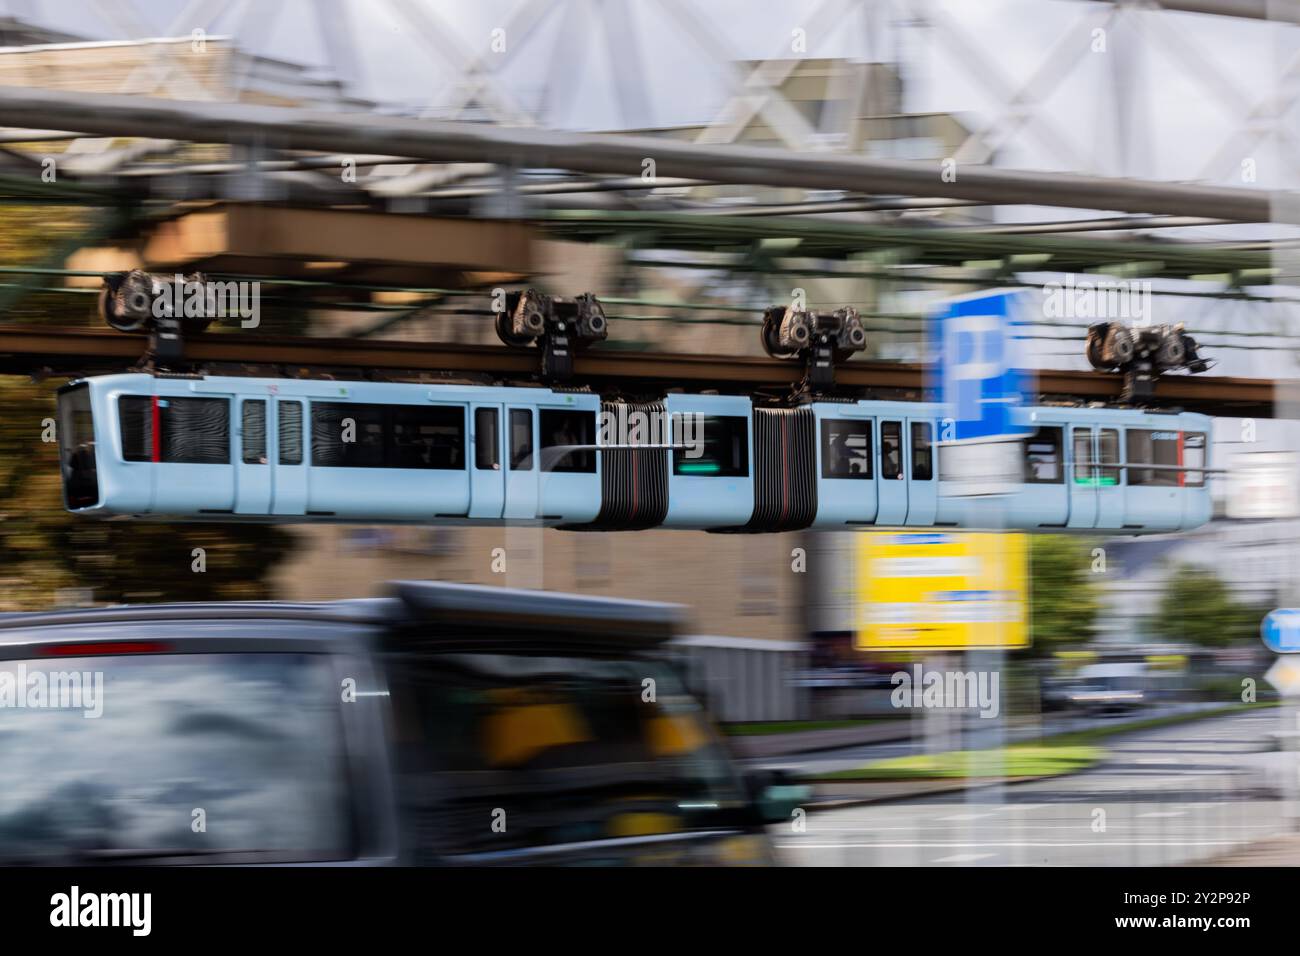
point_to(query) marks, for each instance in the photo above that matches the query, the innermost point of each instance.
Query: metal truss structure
(487, 146)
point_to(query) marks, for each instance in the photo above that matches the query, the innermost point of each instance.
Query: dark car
(442, 724)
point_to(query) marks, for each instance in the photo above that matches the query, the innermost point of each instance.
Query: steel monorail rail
(48, 350)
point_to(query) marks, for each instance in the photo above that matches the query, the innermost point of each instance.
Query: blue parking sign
(974, 364)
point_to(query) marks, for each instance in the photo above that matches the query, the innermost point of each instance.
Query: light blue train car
(230, 448)
(1085, 469)
(289, 450)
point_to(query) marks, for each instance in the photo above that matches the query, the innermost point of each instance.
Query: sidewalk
(1275, 851)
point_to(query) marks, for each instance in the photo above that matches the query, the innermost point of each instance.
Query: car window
(498, 752)
(178, 754)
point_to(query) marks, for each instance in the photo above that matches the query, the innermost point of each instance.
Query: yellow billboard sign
(938, 590)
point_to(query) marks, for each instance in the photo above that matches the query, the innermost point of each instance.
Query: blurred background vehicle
(1109, 688)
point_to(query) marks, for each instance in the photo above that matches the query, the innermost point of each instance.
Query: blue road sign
(974, 365)
(1280, 630)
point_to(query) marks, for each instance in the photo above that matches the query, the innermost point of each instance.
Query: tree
(1198, 608)
(43, 548)
(1063, 600)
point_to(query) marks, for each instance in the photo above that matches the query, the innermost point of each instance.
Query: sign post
(1280, 630)
(980, 607)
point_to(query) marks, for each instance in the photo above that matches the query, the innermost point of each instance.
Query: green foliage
(1199, 608)
(1063, 600)
(42, 547)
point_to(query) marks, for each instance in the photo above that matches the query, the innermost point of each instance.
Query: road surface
(847, 758)
(1167, 796)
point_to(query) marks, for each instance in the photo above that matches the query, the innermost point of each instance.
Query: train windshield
(193, 757)
(503, 752)
(76, 434)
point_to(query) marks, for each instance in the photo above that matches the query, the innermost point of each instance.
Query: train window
(363, 442)
(135, 420)
(356, 435)
(1108, 454)
(427, 436)
(195, 431)
(891, 449)
(922, 452)
(1153, 448)
(521, 439)
(1194, 457)
(726, 448)
(1083, 456)
(1043, 457)
(487, 440)
(846, 448)
(290, 419)
(253, 441)
(347, 435)
(563, 430)
(192, 431)
(77, 447)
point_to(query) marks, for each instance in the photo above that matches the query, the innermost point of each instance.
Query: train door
(1083, 479)
(1194, 487)
(1043, 500)
(922, 475)
(846, 462)
(520, 462)
(1110, 477)
(892, 486)
(711, 483)
(252, 461)
(288, 454)
(487, 475)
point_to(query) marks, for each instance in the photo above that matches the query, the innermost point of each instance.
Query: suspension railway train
(278, 450)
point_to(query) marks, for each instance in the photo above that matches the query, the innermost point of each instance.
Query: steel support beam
(443, 141)
(37, 350)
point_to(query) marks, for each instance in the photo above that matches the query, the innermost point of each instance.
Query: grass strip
(1046, 756)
